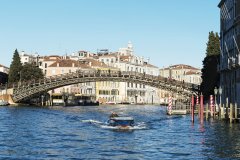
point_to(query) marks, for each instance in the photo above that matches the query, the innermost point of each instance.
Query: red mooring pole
(211, 105)
(192, 109)
(201, 108)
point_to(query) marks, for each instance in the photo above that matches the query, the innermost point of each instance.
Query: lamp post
(152, 96)
(42, 99)
(220, 93)
(20, 77)
(78, 65)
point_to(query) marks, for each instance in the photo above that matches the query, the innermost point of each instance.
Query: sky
(168, 32)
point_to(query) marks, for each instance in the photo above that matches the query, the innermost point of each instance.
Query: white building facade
(125, 60)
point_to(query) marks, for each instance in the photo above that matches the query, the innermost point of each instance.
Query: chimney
(90, 63)
(73, 64)
(57, 64)
(118, 57)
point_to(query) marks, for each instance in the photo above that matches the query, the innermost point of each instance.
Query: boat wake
(104, 125)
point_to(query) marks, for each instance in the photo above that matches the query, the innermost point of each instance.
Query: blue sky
(167, 31)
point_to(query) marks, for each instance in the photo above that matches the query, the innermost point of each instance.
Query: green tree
(15, 68)
(30, 72)
(210, 75)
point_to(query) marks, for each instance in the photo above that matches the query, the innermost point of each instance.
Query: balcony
(237, 20)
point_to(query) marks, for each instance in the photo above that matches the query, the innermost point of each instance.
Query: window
(53, 72)
(45, 65)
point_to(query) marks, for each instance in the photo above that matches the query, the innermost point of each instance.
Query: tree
(15, 68)
(210, 75)
(30, 72)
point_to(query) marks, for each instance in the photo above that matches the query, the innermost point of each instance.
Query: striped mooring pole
(197, 101)
(170, 105)
(211, 105)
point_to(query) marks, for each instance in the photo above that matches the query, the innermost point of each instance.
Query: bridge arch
(30, 88)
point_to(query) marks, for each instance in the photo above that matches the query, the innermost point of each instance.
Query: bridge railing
(105, 73)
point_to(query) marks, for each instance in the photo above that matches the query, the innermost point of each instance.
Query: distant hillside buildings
(230, 50)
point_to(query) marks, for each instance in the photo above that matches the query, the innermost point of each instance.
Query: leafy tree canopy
(31, 72)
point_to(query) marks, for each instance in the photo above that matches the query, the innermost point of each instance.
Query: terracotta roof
(51, 58)
(192, 72)
(109, 55)
(149, 65)
(181, 66)
(68, 63)
(125, 58)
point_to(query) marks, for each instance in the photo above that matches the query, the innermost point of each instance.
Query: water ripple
(82, 133)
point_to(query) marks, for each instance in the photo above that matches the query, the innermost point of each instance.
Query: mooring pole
(192, 109)
(170, 104)
(211, 105)
(201, 108)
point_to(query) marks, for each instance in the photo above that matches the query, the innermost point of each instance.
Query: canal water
(82, 133)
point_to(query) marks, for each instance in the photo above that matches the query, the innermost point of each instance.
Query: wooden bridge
(27, 89)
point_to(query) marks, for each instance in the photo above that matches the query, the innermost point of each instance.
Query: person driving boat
(113, 115)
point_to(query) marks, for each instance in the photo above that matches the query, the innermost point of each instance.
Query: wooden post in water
(201, 108)
(219, 111)
(231, 113)
(236, 113)
(192, 109)
(206, 113)
(226, 113)
(222, 112)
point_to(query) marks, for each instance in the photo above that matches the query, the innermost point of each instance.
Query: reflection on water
(83, 133)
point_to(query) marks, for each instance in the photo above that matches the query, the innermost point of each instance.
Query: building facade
(126, 60)
(4, 69)
(182, 72)
(229, 66)
(179, 72)
(105, 92)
